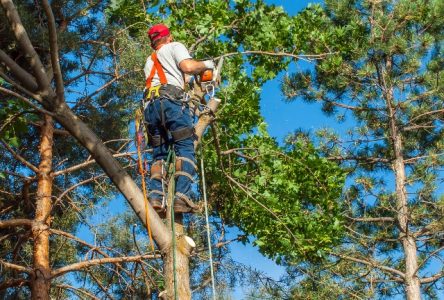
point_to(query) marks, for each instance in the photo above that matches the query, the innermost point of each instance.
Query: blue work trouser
(176, 115)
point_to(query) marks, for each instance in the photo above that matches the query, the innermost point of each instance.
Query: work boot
(183, 204)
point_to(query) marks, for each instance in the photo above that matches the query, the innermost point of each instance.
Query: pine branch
(379, 219)
(24, 99)
(100, 261)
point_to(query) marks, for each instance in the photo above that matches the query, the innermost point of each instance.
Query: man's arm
(191, 66)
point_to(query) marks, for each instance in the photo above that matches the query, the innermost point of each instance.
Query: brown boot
(183, 204)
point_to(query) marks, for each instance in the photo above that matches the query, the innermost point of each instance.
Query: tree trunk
(177, 271)
(412, 284)
(40, 282)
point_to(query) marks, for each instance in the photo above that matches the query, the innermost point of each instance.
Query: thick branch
(19, 73)
(432, 278)
(15, 223)
(13, 283)
(15, 267)
(25, 44)
(53, 44)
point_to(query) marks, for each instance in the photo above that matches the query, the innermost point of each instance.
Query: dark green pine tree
(384, 84)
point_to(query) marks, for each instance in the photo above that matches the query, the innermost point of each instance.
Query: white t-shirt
(169, 56)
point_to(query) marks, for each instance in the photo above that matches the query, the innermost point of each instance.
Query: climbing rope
(204, 192)
(139, 138)
(171, 163)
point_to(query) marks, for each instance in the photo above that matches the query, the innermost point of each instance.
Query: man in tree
(168, 116)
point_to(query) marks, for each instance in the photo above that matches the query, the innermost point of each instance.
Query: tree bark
(40, 279)
(412, 285)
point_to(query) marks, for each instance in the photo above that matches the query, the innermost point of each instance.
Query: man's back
(169, 55)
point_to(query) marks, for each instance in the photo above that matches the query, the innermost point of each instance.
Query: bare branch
(432, 278)
(307, 57)
(19, 157)
(100, 261)
(77, 290)
(87, 163)
(371, 263)
(14, 94)
(379, 219)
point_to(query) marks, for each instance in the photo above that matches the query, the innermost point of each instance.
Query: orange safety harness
(157, 68)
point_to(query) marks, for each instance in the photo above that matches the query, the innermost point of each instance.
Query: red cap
(158, 31)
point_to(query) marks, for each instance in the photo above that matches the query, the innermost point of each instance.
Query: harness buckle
(153, 92)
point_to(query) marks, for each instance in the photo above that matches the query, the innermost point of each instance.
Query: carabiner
(210, 89)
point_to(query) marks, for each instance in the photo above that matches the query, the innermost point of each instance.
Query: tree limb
(100, 261)
(15, 223)
(432, 278)
(53, 44)
(19, 73)
(14, 94)
(19, 157)
(13, 283)
(25, 44)
(307, 57)
(15, 267)
(371, 263)
(87, 163)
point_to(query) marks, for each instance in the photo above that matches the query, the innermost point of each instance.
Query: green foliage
(287, 198)
(15, 116)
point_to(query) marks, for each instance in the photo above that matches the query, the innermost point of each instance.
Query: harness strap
(182, 133)
(156, 140)
(190, 161)
(186, 174)
(157, 68)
